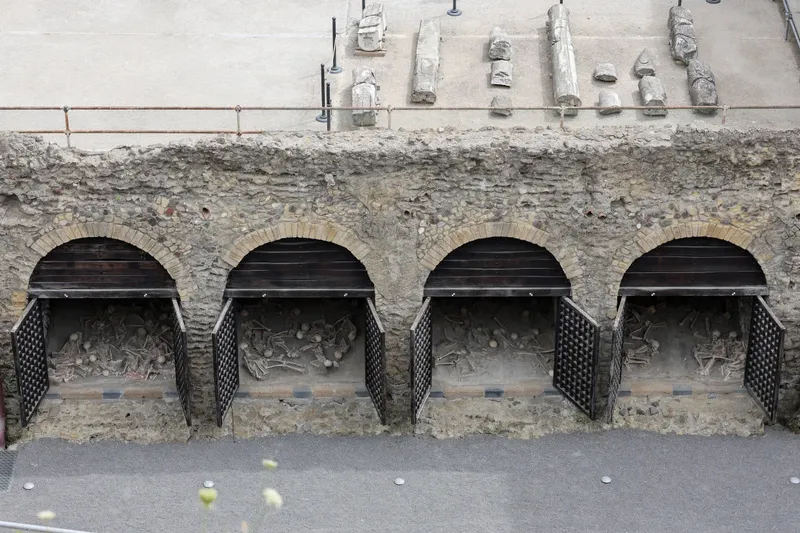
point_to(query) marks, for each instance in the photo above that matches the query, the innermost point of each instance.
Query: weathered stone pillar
(562, 55)
(426, 68)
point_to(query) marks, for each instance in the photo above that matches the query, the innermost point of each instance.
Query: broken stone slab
(562, 55)
(372, 29)
(501, 105)
(499, 45)
(502, 73)
(702, 86)
(364, 74)
(644, 66)
(682, 39)
(426, 66)
(364, 96)
(610, 102)
(605, 72)
(653, 95)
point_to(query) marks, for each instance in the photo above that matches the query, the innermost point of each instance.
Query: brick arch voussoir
(50, 240)
(565, 255)
(322, 231)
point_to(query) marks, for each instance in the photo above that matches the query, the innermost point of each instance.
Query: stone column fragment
(364, 95)
(610, 102)
(682, 39)
(562, 55)
(644, 66)
(426, 67)
(499, 45)
(605, 72)
(502, 72)
(372, 29)
(702, 86)
(653, 94)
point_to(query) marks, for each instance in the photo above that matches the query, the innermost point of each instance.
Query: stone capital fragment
(372, 29)
(605, 72)
(364, 96)
(653, 94)
(502, 73)
(499, 45)
(610, 102)
(644, 66)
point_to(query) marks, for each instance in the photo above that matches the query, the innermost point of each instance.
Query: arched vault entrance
(299, 316)
(102, 314)
(692, 313)
(496, 316)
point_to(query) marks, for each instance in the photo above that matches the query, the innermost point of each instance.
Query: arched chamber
(103, 321)
(299, 321)
(693, 317)
(497, 320)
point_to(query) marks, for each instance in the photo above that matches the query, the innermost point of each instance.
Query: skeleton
(131, 341)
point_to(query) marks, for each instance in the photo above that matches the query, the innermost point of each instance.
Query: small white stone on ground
(399, 481)
(606, 480)
(794, 480)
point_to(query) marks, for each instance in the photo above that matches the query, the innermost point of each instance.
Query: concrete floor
(267, 52)
(659, 483)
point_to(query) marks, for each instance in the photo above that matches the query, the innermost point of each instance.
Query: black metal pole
(330, 113)
(323, 116)
(335, 69)
(454, 12)
(363, 6)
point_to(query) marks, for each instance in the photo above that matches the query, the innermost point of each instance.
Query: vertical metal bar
(330, 112)
(66, 125)
(389, 110)
(323, 116)
(363, 6)
(238, 110)
(335, 69)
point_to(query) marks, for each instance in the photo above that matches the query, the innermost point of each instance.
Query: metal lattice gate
(181, 358)
(226, 360)
(762, 372)
(576, 354)
(617, 354)
(29, 343)
(421, 360)
(376, 361)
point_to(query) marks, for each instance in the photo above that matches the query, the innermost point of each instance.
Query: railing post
(238, 110)
(330, 111)
(66, 125)
(323, 116)
(335, 69)
(455, 12)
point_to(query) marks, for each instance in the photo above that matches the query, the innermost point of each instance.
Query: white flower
(207, 496)
(269, 464)
(273, 498)
(46, 516)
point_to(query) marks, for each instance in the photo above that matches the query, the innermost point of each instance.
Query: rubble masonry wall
(400, 201)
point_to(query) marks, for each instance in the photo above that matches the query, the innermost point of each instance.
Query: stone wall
(400, 201)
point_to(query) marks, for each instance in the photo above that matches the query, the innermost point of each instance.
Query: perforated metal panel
(762, 372)
(577, 349)
(421, 360)
(376, 361)
(617, 352)
(181, 358)
(226, 360)
(30, 358)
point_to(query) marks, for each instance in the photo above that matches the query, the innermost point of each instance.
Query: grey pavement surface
(268, 52)
(659, 483)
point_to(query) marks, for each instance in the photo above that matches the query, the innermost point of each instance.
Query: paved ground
(659, 483)
(267, 52)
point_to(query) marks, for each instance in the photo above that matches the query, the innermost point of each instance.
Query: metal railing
(32, 527)
(791, 27)
(390, 111)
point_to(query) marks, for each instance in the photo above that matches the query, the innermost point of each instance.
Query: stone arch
(524, 231)
(61, 235)
(322, 231)
(647, 239)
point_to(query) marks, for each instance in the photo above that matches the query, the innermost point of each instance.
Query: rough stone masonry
(400, 201)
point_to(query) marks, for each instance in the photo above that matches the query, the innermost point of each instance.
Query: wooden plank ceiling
(299, 268)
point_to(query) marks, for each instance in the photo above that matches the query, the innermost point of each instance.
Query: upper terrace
(268, 53)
